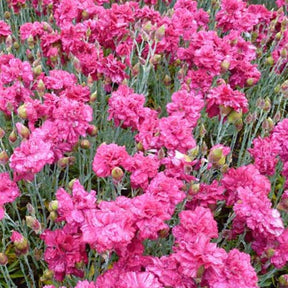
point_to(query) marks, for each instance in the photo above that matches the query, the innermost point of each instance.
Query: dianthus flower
(224, 95)
(280, 136)
(110, 227)
(107, 157)
(280, 256)
(30, 157)
(176, 133)
(143, 168)
(257, 213)
(166, 190)
(264, 152)
(125, 107)
(63, 251)
(245, 176)
(59, 79)
(5, 29)
(236, 271)
(70, 208)
(138, 279)
(187, 105)
(9, 191)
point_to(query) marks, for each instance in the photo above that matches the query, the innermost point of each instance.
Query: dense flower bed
(143, 144)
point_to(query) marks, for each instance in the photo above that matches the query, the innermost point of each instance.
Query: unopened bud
(22, 130)
(155, 59)
(283, 281)
(117, 173)
(93, 97)
(4, 158)
(30, 42)
(16, 45)
(225, 110)
(70, 184)
(267, 105)
(47, 276)
(92, 130)
(268, 124)
(3, 259)
(7, 15)
(22, 112)
(34, 224)
(251, 81)
(167, 80)
(160, 33)
(37, 70)
(85, 144)
(136, 69)
(270, 61)
(20, 243)
(53, 215)
(225, 65)
(234, 116)
(13, 136)
(53, 205)
(283, 53)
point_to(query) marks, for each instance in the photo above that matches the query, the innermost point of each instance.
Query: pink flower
(9, 191)
(166, 190)
(30, 158)
(236, 271)
(143, 168)
(107, 157)
(5, 29)
(280, 256)
(193, 223)
(187, 105)
(138, 279)
(59, 79)
(224, 95)
(63, 251)
(176, 133)
(245, 177)
(125, 107)
(256, 211)
(264, 152)
(71, 208)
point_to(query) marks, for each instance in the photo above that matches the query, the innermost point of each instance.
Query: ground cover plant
(143, 143)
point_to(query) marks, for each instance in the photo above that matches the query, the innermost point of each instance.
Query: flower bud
(53, 205)
(22, 112)
(47, 276)
(225, 65)
(7, 15)
(22, 130)
(70, 184)
(13, 136)
(85, 144)
(3, 259)
(93, 97)
(225, 110)
(30, 209)
(283, 281)
(234, 116)
(2, 133)
(92, 130)
(167, 80)
(30, 42)
(270, 61)
(117, 173)
(20, 243)
(251, 81)
(53, 215)
(160, 33)
(4, 158)
(37, 70)
(268, 124)
(34, 224)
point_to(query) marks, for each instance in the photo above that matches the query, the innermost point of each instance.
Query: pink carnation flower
(107, 157)
(30, 158)
(224, 95)
(63, 251)
(138, 279)
(176, 133)
(5, 29)
(71, 208)
(125, 107)
(264, 152)
(143, 168)
(9, 191)
(187, 105)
